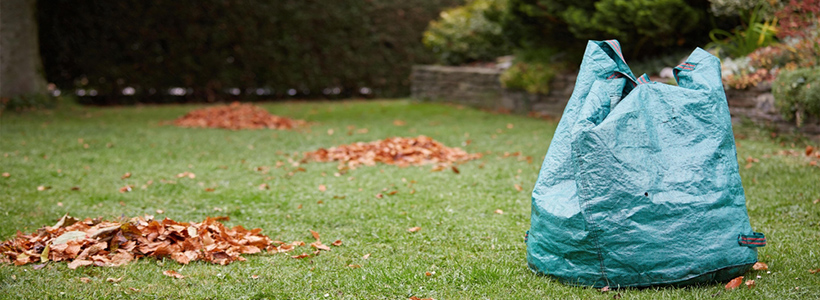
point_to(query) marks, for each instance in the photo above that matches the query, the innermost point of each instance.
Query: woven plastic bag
(640, 185)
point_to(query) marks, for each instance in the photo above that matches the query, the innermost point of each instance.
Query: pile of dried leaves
(396, 151)
(236, 116)
(105, 243)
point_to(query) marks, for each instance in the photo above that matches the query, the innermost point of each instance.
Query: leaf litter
(236, 116)
(420, 150)
(97, 242)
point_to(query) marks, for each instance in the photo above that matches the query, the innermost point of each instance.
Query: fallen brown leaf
(301, 256)
(264, 186)
(6, 174)
(236, 116)
(354, 266)
(126, 175)
(43, 188)
(134, 289)
(379, 196)
(809, 150)
(498, 211)
(112, 279)
(126, 188)
(396, 150)
(366, 256)
(413, 229)
(399, 122)
(518, 187)
(760, 266)
(813, 271)
(254, 276)
(209, 189)
(85, 279)
(172, 273)
(605, 289)
(337, 243)
(75, 188)
(314, 234)
(455, 170)
(322, 188)
(417, 298)
(734, 283)
(750, 283)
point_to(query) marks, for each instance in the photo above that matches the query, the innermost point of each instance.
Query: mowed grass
(469, 251)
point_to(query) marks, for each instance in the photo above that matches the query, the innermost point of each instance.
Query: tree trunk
(21, 69)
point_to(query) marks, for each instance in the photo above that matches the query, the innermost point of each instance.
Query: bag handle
(620, 62)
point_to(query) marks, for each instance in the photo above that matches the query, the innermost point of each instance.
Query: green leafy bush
(647, 26)
(466, 33)
(534, 69)
(533, 77)
(797, 93)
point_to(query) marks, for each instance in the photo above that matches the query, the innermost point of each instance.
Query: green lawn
(471, 252)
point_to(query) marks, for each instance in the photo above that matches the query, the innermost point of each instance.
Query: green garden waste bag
(640, 185)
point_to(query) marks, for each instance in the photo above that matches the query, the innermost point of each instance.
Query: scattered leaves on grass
(814, 271)
(172, 273)
(186, 174)
(760, 266)
(236, 116)
(301, 256)
(734, 283)
(399, 151)
(113, 243)
(413, 229)
(750, 283)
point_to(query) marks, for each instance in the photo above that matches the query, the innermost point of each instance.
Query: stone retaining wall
(480, 87)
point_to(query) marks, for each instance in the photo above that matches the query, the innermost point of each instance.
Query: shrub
(533, 77)
(737, 7)
(465, 34)
(213, 49)
(798, 18)
(647, 26)
(797, 93)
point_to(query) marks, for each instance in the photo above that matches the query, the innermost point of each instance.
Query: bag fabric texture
(640, 185)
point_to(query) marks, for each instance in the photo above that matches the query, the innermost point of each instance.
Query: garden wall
(480, 87)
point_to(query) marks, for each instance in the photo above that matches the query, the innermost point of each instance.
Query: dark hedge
(212, 49)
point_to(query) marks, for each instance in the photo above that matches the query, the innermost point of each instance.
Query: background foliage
(648, 27)
(467, 33)
(212, 46)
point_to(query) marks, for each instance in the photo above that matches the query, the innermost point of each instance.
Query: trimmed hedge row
(216, 49)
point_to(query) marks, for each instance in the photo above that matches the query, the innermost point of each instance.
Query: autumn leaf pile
(236, 116)
(105, 243)
(395, 150)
